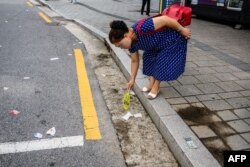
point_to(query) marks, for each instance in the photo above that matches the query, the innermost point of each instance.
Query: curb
(171, 126)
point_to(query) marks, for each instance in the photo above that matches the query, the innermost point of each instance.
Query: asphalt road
(38, 78)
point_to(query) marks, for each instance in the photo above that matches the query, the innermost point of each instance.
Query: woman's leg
(155, 90)
(143, 5)
(148, 7)
(149, 60)
(151, 82)
(156, 87)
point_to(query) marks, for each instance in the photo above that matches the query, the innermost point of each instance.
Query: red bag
(180, 13)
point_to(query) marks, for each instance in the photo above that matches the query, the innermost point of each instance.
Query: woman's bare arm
(165, 21)
(134, 68)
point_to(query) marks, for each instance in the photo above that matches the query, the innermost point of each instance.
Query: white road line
(42, 144)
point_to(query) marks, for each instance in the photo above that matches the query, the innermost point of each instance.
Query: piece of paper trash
(0, 46)
(5, 88)
(51, 131)
(54, 58)
(127, 116)
(103, 75)
(19, 26)
(74, 44)
(132, 92)
(138, 115)
(69, 54)
(38, 135)
(6, 21)
(26, 77)
(80, 42)
(14, 112)
(191, 144)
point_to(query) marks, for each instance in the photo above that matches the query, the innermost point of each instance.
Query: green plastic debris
(126, 101)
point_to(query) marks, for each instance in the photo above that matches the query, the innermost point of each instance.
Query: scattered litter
(14, 112)
(69, 54)
(6, 21)
(127, 116)
(38, 135)
(138, 115)
(126, 101)
(80, 42)
(51, 131)
(132, 92)
(190, 143)
(103, 75)
(5, 88)
(26, 77)
(55, 58)
(74, 44)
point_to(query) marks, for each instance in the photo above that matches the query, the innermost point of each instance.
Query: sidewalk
(210, 103)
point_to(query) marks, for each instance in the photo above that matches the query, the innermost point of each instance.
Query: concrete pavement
(210, 103)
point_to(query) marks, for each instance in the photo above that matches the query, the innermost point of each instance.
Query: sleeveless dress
(164, 54)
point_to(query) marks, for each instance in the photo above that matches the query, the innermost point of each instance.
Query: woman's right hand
(131, 84)
(185, 32)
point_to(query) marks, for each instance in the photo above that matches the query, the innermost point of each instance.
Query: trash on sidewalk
(51, 131)
(5, 88)
(14, 112)
(80, 42)
(190, 143)
(69, 54)
(6, 21)
(127, 116)
(132, 92)
(126, 101)
(26, 77)
(54, 58)
(1, 46)
(38, 135)
(138, 115)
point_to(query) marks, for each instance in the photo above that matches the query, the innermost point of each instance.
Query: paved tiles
(236, 142)
(203, 131)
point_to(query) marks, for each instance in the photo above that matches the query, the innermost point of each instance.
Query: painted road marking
(90, 120)
(45, 18)
(42, 144)
(29, 4)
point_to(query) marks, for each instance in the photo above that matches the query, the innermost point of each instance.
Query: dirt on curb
(141, 143)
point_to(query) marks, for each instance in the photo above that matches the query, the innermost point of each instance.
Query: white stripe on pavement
(42, 144)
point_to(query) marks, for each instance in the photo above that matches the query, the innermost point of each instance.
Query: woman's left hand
(131, 84)
(185, 32)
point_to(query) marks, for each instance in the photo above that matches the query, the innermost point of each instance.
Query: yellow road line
(29, 4)
(45, 18)
(90, 120)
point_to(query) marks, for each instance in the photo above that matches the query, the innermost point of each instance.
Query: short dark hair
(118, 29)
